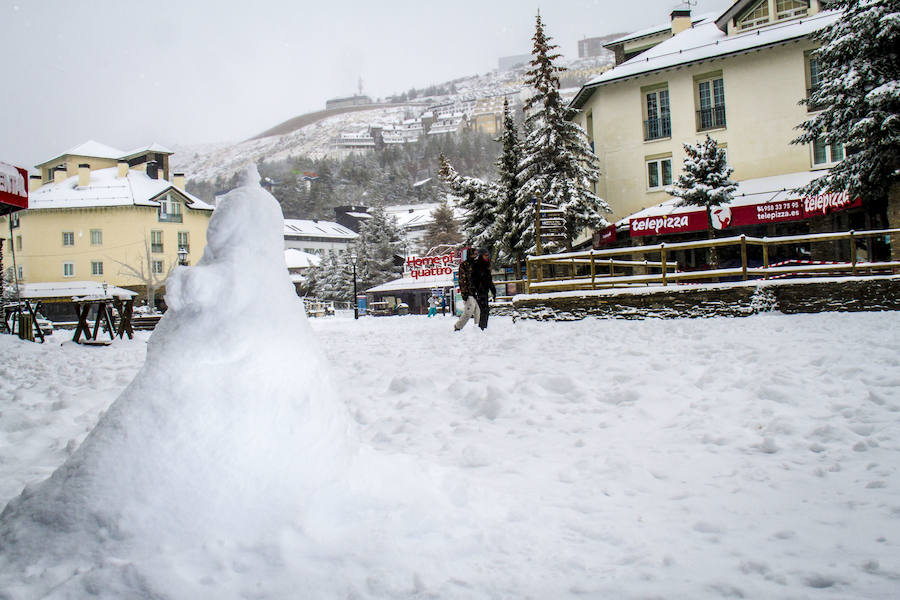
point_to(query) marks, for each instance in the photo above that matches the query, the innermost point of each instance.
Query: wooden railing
(598, 269)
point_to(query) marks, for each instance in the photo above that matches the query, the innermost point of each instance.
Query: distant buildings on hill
(355, 100)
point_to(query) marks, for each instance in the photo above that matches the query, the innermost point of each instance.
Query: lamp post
(355, 301)
(182, 256)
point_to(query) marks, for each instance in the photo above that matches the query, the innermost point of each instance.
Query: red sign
(822, 204)
(666, 224)
(604, 237)
(725, 217)
(429, 266)
(13, 186)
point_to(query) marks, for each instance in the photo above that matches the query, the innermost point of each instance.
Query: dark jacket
(482, 281)
(465, 279)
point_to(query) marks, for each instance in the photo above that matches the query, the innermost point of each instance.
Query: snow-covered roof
(776, 188)
(66, 289)
(322, 229)
(418, 215)
(656, 29)
(298, 259)
(703, 42)
(106, 188)
(98, 150)
(411, 283)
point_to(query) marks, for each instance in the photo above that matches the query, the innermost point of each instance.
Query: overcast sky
(130, 73)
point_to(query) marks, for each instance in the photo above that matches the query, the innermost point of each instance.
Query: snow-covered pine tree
(705, 181)
(515, 222)
(378, 243)
(859, 102)
(557, 162)
(479, 199)
(442, 230)
(334, 281)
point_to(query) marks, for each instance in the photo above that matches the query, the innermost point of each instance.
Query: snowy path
(751, 457)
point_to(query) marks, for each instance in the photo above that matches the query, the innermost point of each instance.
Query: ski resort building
(317, 237)
(739, 77)
(108, 216)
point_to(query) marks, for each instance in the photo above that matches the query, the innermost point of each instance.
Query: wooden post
(574, 272)
(612, 268)
(593, 271)
(853, 252)
(766, 257)
(743, 257)
(538, 246)
(662, 259)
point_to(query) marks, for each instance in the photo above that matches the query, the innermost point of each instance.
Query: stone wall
(728, 300)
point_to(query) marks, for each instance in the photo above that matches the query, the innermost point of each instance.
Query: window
(18, 242)
(658, 124)
(96, 237)
(711, 97)
(14, 220)
(68, 269)
(169, 209)
(157, 267)
(756, 16)
(825, 154)
(659, 173)
(156, 241)
(68, 238)
(184, 241)
(589, 125)
(21, 272)
(813, 78)
(96, 267)
(788, 9)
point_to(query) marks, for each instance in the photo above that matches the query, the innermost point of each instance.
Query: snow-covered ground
(732, 458)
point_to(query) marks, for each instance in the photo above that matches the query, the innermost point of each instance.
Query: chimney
(34, 182)
(152, 169)
(123, 168)
(59, 174)
(178, 181)
(681, 20)
(84, 175)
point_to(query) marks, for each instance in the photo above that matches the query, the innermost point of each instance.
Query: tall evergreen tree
(859, 98)
(378, 243)
(515, 222)
(557, 162)
(705, 181)
(442, 229)
(479, 199)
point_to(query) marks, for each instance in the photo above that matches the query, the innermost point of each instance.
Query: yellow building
(103, 215)
(737, 76)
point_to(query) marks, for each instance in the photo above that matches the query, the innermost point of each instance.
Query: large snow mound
(228, 432)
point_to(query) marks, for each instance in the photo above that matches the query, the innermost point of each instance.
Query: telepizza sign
(725, 217)
(429, 266)
(13, 188)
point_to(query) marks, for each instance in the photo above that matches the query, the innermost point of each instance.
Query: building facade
(738, 78)
(124, 224)
(317, 237)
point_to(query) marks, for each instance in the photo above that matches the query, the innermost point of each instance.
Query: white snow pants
(470, 310)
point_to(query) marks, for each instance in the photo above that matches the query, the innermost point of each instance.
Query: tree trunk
(713, 255)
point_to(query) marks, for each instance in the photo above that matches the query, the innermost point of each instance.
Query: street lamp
(182, 256)
(355, 301)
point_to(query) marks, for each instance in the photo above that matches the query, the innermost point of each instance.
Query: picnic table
(106, 309)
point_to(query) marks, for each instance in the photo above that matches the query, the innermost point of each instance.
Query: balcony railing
(655, 129)
(165, 217)
(711, 118)
(156, 247)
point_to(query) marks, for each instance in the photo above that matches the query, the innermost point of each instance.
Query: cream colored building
(738, 77)
(104, 215)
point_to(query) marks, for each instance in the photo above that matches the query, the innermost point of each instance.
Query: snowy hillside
(206, 162)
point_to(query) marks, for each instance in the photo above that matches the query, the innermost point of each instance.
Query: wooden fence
(619, 267)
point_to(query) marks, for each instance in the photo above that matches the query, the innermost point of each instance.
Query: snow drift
(228, 432)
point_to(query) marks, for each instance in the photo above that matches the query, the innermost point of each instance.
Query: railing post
(612, 268)
(593, 271)
(766, 257)
(743, 257)
(853, 252)
(662, 257)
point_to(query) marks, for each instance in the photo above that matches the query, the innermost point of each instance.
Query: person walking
(432, 305)
(482, 285)
(470, 306)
